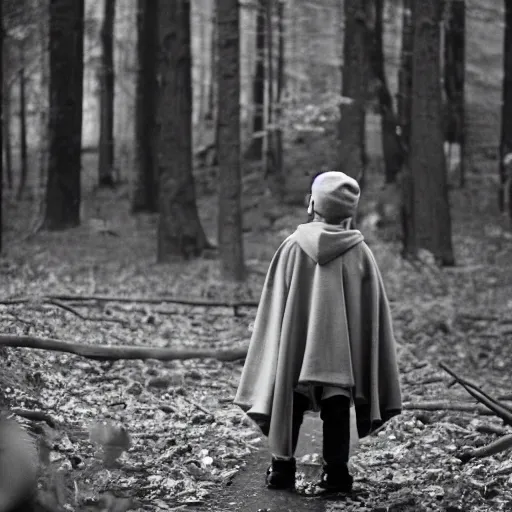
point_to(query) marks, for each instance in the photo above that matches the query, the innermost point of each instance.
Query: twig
(478, 318)
(107, 319)
(501, 410)
(66, 307)
(87, 318)
(198, 406)
(114, 353)
(70, 309)
(429, 380)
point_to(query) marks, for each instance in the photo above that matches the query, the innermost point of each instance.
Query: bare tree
(228, 129)
(180, 232)
(432, 219)
(505, 166)
(106, 76)
(352, 159)
(145, 197)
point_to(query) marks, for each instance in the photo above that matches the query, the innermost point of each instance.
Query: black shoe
(336, 479)
(281, 474)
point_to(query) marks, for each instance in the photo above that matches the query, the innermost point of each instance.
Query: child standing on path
(322, 339)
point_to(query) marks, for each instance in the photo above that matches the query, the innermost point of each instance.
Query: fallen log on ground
(500, 445)
(33, 415)
(436, 405)
(121, 298)
(492, 429)
(114, 353)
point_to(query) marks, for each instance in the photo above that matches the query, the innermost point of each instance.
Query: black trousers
(335, 414)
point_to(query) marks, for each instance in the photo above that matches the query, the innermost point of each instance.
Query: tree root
(114, 353)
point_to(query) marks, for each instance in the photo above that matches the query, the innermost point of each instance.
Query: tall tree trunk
(269, 85)
(279, 91)
(427, 158)
(404, 105)
(106, 137)
(179, 229)
(255, 150)
(505, 168)
(391, 144)
(23, 124)
(454, 64)
(272, 174)
(212, 92)
(228, 129)
(145, 197)
(42, 31)
(404, 99)
(352, 158)
(6, 132)
(65, 126)
(1, 131)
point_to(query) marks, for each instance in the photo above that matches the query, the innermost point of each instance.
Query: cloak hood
(324, 242)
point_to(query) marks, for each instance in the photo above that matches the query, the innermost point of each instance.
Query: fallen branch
(33, 416)
(429, 380)
(198, 406)
(447, 406)
(500, 445)
(114, 353)
(491, 429)
(148, 300)
(67, 308)
(498, 408)
(72, 310)
(477, 317)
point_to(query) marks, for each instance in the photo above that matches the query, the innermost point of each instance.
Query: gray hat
(335, 195)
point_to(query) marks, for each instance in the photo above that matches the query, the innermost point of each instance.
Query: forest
(155, 154)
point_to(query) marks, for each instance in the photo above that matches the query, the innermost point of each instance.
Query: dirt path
(248, 492)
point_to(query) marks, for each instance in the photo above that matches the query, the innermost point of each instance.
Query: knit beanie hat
(335, 195)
